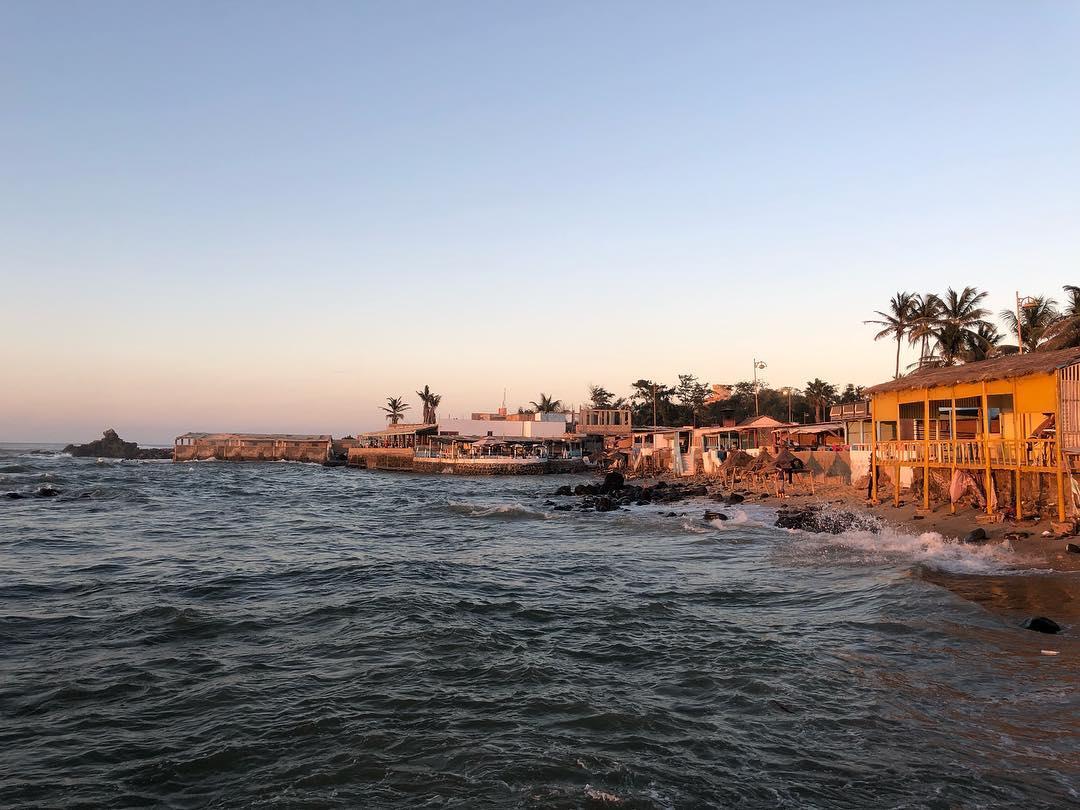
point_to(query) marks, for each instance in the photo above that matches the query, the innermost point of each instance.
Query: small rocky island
(112, 446)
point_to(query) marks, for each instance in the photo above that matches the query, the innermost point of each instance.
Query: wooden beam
(926, 450)
(986, 451)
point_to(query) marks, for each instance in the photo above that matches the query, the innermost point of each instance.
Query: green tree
(851, 393)
(1037, 321)
(600, 397)
(395, 409)
(895, 322)
(982, 343)
(961, 317)
(546, 404)
(820, 395)
(924, 314)
(648, 398)
(1065, 334)
(430, 401)
(692, 394)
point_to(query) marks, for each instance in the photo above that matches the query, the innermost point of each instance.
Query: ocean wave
(504, 511)
(927, 548)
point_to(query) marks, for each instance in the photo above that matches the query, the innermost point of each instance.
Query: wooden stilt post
(1059, 455)
(986, 451)
(952, 440)
(1018, 429)
(873, 456)
(926, 450)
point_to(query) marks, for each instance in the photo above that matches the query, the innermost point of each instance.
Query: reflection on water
(281, 634)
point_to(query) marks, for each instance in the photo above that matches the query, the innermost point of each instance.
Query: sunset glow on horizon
(274, 222)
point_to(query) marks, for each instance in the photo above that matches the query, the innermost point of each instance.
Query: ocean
(286, 635)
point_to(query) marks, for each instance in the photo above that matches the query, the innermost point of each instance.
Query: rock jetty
(112, 446)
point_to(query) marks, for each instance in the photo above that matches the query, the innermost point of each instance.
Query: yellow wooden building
(998, 420)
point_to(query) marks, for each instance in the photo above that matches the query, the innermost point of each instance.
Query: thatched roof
(997, 368)
(737, 459)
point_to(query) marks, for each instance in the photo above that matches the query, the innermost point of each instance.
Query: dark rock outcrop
(1041, 624)
(46, 491)
(819, 520)
(1072, 548)
(605, 504)
(564, 490)
(112, 446)
(975, 536)
(613, 482)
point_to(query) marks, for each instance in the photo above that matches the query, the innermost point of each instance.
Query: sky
(261, 216)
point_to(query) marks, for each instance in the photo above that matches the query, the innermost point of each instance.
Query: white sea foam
(506, 511)
(927, 548)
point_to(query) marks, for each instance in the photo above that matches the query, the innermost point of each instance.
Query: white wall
(481, 427)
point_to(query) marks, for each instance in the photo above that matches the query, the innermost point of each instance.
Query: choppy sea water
(212, 634)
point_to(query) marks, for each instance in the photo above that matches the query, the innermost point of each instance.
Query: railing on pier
(1040, 454)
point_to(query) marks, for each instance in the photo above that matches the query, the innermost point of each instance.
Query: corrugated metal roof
(997, 368)
(399, 430)
(265, 437)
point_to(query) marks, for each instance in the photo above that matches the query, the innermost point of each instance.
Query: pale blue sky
(269, 216)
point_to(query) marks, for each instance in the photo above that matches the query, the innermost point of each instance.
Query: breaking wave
(503, 511)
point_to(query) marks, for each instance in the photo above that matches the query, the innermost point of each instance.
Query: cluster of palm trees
(396, 406)
(956, 327)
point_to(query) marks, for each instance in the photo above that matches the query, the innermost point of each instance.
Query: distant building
(252, 447)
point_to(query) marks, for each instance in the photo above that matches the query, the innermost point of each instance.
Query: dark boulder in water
(734, 498)
(112, 446)
(14, 495)
(715, 515)
(613, 482)
(47, 491)
(564, 490)
(566, 507)
(975, 536)
(819, 520)
(1072, 548)
(605, 504)
(1041, 624)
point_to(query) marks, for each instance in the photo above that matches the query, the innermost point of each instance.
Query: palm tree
(600, 397)
(395, 409)
(1065, 333)
(1037, 321)
(925, 311)
(547, 404)
(960, 319)
(430, 401)
(895, 322)
(982, 343)
(820, 394)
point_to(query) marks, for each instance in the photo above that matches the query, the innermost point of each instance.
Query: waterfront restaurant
(1011, 423)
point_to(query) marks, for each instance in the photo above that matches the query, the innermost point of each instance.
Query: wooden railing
(1038, 453)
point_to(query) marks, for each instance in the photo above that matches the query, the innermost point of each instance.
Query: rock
(564, 490)
(715, 515)
(735, 498)
(670, 514)
(604, 504)
(975, 536)
(642, 503)
(660, 485)
(1072, 548)
(613, 482)
(112, 446)
(549, 503)
(824, 521)
(1041, 624)
(47, 491)
(14, 495)
(566, 507)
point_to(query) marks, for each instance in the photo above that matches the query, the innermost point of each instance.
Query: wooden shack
(252, 447)
(1006, 421)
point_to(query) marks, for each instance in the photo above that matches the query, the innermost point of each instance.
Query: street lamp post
(788, 391)
(757, 406)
